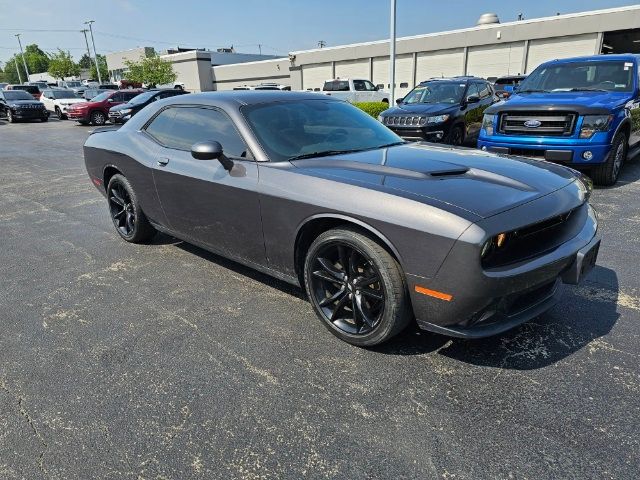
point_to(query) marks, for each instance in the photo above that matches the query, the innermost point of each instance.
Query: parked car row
(581, 112)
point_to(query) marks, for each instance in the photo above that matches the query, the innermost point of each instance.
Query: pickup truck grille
(537, 123)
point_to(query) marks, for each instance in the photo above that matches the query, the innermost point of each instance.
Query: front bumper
(482, 303)
(433, 133)
(79, 115)
(30, 114)
(564, 153)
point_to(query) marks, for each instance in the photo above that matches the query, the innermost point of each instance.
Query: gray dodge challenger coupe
(315, 192)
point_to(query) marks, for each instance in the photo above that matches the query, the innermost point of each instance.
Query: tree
(104, 72)
(36, 59)
(151, 71)
(10, 72)
(61, 65)
(85, 61)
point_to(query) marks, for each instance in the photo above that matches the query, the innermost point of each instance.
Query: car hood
(480, 183)
(420, 108)
(19, 103)
(122, 106)
(582, 102)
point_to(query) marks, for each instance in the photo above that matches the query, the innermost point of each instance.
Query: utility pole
(24, 62)
(322, 44)
(87, 43)
(392, 54)
(15, 60)
(90, 22)
(260, 49)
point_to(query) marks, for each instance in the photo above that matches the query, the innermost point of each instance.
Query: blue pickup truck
(582, 112)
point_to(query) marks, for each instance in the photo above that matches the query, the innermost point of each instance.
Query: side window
(117, 97)
(484, 90)
(359, 86)
(369, 86)
(184, 126)
(473, 90)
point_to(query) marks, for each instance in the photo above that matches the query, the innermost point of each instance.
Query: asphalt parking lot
(165, 361)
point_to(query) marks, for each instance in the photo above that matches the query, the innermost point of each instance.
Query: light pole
(95, 54)
(392, 54)
(87, 43)
(15, 60)
(24, 62)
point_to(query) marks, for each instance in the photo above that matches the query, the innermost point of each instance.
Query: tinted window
(181, 127)
(473, 90)
(436, 92)
(484, 90)
(336, 86)
(567, 76)
(303, 127)
(126, 96)
(16, 95)
(359, 85)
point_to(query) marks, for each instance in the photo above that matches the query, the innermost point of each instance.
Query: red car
(96, 110)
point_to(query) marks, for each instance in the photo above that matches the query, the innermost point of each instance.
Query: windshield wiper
(533, 90)
(325, 153)
(586, 89)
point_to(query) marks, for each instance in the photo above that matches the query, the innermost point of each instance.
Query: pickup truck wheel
(98, 118)
(607, 173)
(356, 287)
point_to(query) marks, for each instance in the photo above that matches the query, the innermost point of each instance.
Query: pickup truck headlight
(438, 119)
(487, 123)
(594, 123)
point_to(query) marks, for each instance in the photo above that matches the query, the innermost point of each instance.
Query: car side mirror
(473, 99)
(399, 100)
(211, 150)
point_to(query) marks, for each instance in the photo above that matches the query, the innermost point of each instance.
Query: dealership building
(488, 49)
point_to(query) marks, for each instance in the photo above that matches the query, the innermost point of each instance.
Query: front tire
(98, 118)
(130, 221)
(607, 173)
(59, 114)
(456, 137)
(10, 117)
(356, 287)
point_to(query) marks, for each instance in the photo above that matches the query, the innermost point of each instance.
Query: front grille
(405, 121)
(30, 106)
(537, 239)
(540, 123)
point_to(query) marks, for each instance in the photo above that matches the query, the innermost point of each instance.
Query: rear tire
(98, 118)
(130, 221)
(607, 173)
(356, 287)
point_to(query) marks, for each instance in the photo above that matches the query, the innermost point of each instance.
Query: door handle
(162, 162)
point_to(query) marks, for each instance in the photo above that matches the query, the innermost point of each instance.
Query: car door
(47, 99)
(471, 111)
(202, 201)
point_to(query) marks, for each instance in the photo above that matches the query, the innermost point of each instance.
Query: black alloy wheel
(130, 222)
(456, 137)
(356, 287)
(346, 286)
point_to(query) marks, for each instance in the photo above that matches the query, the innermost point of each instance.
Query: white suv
(59, 100)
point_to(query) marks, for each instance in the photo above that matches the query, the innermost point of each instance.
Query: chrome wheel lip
(345, 299)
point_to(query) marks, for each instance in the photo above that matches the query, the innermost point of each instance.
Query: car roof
(245, 97)
(629, 57)
(461, 78)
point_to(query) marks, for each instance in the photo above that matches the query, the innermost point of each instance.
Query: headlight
(438, 119)
(487, 123)
(125, 111)
(585, 184)
(594, 123)
(494, 244)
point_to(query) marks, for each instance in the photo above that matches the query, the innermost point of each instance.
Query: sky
(279, 26)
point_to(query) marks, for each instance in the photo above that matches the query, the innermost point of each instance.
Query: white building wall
(440, 63)
(543, 50)
(314, 76)
(495, 60)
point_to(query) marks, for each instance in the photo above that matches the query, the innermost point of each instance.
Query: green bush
(635, 118)
(372, 108)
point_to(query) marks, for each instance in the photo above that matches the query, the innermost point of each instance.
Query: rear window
(26, 88)
(336, 86)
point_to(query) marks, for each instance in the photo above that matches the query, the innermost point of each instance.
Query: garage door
(353, 69)
(314, 76)
(495, 60)
(440, 63)
(404, 73)
(560, 47)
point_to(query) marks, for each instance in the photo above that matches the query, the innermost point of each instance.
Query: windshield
(143, 97)
(312, 127)
(16, 95)
(60, 94)
(436, 92)
(102, 97)
(74, 84)
(609, 76)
